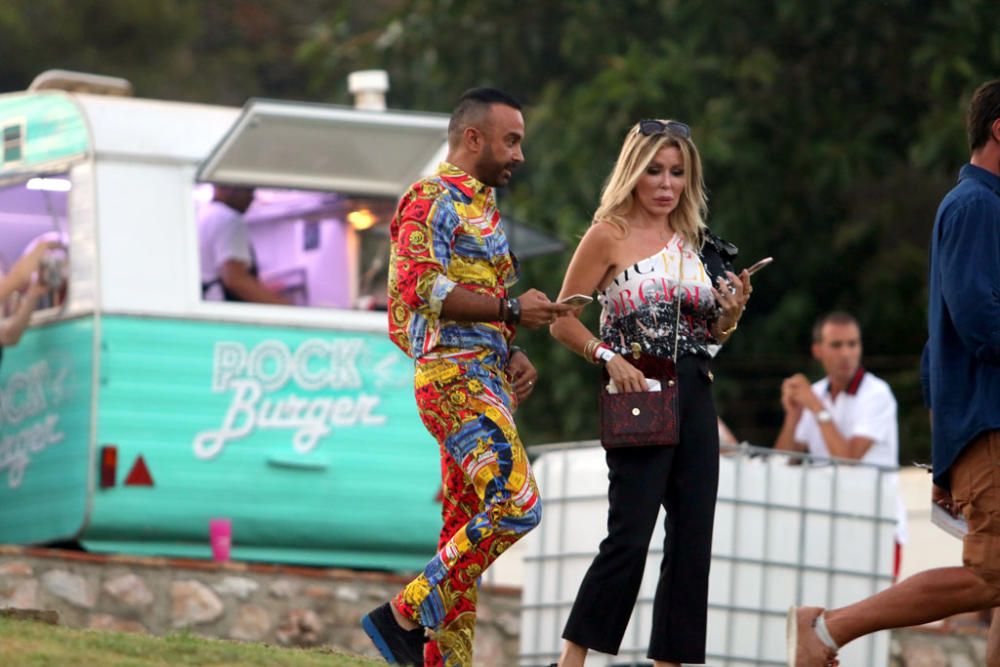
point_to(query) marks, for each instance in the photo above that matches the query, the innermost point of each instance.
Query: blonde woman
(647, 241)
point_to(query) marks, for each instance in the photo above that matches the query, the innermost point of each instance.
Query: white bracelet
(605, 354)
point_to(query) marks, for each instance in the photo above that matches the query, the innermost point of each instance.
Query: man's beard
(497, 177)
(491, 171)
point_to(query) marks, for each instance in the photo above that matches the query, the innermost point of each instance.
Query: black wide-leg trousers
(684, 480)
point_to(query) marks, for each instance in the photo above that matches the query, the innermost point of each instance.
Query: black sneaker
(397, 646)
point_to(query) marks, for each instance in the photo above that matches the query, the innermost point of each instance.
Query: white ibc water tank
(818, 534)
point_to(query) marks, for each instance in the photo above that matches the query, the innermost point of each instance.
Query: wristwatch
(824, 416)
(605, 354)
(513, 311)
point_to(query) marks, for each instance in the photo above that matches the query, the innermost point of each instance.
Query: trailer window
(33, 212)
(312, 248)
(13, 143)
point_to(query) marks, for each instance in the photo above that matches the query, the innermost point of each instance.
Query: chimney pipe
(369, 88)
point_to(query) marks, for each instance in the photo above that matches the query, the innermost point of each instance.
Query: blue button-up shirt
(960, 370)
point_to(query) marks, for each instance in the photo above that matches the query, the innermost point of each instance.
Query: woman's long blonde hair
(688, 219)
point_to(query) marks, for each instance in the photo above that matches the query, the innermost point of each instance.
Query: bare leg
(993, 640)
(663, 663)
(924, 597)
(573, 655)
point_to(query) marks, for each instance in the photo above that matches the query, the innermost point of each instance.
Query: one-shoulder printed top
(639, 306)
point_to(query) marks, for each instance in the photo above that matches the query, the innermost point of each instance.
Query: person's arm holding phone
(591, 264)
(576, 300)
(12, 328)
(732, 296)
(20, 274)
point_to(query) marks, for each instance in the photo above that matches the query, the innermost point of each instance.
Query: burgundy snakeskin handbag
(644, 418)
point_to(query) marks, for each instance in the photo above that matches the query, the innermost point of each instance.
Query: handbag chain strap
(677, 323)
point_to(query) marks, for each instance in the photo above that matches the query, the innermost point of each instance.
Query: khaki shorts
(975, 487)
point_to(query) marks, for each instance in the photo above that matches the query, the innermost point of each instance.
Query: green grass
(29, 644)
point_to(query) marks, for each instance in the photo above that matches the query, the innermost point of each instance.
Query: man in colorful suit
(450, 310)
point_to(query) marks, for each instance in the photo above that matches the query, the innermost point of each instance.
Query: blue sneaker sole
(378, 640)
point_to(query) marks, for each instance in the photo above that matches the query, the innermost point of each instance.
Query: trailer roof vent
(81, 82)
(369, 87)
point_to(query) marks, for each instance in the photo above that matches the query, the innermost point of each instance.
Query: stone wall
(949, 644)
(295, 606)
(290, 606)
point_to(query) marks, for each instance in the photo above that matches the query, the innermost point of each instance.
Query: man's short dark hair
(836, 317)
(473, 105)
(983, 110)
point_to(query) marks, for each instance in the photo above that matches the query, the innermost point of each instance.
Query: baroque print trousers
(490, 497)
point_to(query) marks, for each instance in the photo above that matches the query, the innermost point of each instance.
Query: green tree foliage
(222, 52)
(829, 132)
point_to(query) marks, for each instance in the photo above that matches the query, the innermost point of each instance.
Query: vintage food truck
(134, 410)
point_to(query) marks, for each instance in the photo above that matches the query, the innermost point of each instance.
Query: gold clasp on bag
(636, 350)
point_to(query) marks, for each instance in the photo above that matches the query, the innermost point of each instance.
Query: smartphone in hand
(576, 300)
(754, 268)
(757, 266)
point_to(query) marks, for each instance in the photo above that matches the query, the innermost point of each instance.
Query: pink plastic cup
(220, 532)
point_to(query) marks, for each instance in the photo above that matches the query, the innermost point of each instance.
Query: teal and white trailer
(134, 411)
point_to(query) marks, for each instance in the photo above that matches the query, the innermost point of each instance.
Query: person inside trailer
(228, 264)
(21, 290)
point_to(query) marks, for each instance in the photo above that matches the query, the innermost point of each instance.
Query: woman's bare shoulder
(603, 234)
(596, 257)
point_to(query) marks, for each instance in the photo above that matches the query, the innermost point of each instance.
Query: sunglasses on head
(650, 127)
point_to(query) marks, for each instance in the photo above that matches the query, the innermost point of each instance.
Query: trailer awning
(528, 242)
(326, 147)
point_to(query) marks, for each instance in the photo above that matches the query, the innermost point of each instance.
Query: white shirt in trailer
(222, 236)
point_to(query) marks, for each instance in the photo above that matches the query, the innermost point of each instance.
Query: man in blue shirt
(961, 379)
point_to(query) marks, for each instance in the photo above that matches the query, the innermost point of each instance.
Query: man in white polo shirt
(228, 264)
(849, 414)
